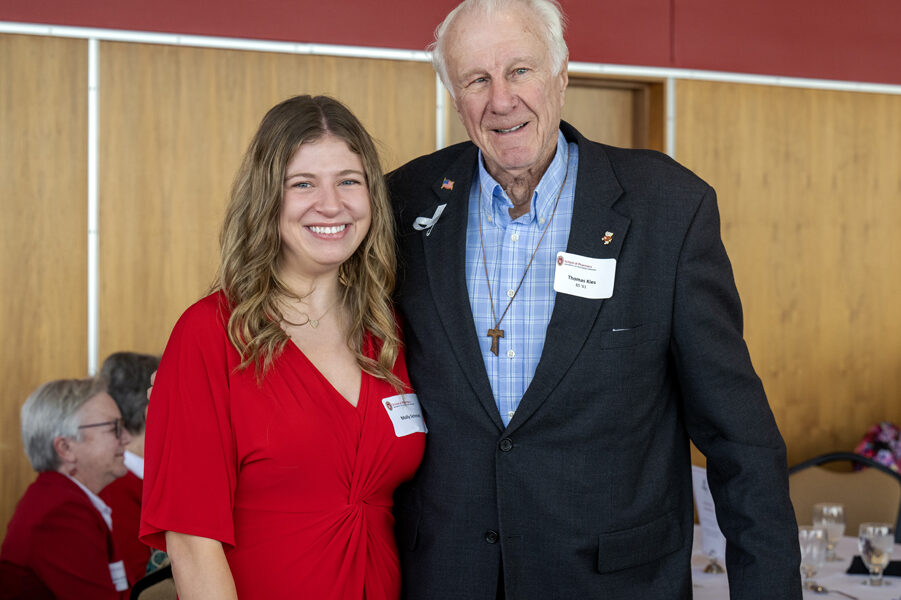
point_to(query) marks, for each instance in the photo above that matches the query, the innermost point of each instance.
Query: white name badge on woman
(405, 414)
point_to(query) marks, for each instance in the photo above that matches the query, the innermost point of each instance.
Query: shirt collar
(135, 464)
(105, 511)
(495, 202)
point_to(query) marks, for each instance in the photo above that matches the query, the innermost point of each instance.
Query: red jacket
(57, 541)
(124, 497)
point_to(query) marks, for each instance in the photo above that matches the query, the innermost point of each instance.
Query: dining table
(832, 576)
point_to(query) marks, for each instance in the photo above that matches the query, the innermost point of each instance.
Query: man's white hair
(547, 12)
(51, 411)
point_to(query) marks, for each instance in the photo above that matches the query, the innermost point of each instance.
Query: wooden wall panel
(603, 114)
(809, 184)
(624, 113)
(43, 232)
(175, 122)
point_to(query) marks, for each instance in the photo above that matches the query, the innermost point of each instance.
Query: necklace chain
(314, 323)
(496, 332)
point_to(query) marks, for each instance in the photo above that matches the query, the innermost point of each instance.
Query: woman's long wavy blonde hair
(251, 244)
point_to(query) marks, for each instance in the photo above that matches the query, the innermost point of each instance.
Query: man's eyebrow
(466, 75)
(522, 59)
(511, 63)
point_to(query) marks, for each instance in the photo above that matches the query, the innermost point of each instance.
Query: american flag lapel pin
(447, 184)
(608, 237)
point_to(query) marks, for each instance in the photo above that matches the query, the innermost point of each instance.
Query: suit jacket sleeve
(729, 419)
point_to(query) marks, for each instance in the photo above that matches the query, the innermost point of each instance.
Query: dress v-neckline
(363, 379)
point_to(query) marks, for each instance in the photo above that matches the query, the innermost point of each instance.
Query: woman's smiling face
(326, 211)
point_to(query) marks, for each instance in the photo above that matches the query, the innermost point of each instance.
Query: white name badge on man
(405, 414)
(117, 572)
(583, 276)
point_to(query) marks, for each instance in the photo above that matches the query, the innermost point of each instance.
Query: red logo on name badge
(388, 405)
(559, 260)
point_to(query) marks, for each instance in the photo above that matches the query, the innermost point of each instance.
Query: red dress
(294, 481)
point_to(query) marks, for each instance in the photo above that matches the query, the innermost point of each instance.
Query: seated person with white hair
(59, 541)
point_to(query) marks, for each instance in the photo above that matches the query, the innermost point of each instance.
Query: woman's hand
(199, 568)
(150, 389)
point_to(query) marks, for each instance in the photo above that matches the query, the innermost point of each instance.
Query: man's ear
(63, 447)
(456, 105)
(564, 74)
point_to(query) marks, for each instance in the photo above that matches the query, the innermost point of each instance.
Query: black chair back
(156, 585)
(807, 478)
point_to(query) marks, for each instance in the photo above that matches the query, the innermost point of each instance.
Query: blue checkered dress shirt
(508, 246)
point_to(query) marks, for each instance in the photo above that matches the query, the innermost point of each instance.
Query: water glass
(875, 542)
(831, 517)
(813, 552)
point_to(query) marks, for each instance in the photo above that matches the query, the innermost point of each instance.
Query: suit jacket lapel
(597, 189)
(444, 250)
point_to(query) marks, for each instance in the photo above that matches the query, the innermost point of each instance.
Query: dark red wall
(828, 39)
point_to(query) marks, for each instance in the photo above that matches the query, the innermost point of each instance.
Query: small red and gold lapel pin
(447, 184)
(608, 237)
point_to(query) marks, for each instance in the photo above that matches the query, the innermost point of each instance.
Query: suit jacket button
(491, 536)
(506, 445)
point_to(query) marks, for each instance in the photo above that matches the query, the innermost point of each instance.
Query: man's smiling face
(505, 92)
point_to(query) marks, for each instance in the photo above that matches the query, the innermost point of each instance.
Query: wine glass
(831, 517)
(813, 553)
(875, 542)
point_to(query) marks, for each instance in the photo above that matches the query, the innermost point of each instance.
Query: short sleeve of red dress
(190, 462)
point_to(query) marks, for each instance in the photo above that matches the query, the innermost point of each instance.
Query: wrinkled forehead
(476, 36)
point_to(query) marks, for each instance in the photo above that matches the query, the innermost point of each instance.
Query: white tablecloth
(832, 577)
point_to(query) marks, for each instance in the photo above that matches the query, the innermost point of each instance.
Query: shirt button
(511, 293)
(515, 237)
(505, 445)
(510, 414)
(510, 353)
(491, 536)
(541, 221)
(490, 219)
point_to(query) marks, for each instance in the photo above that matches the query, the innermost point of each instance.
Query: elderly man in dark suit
(571, 322)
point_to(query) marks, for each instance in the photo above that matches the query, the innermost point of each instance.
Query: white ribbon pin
(427, 223)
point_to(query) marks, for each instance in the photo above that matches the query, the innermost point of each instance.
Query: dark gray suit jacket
(587, 492)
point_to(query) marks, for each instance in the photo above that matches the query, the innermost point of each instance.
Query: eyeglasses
(117, 425)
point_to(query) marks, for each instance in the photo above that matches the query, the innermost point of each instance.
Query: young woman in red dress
(282, 419)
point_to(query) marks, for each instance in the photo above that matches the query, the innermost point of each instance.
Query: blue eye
(302, 185)
(351, 182)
